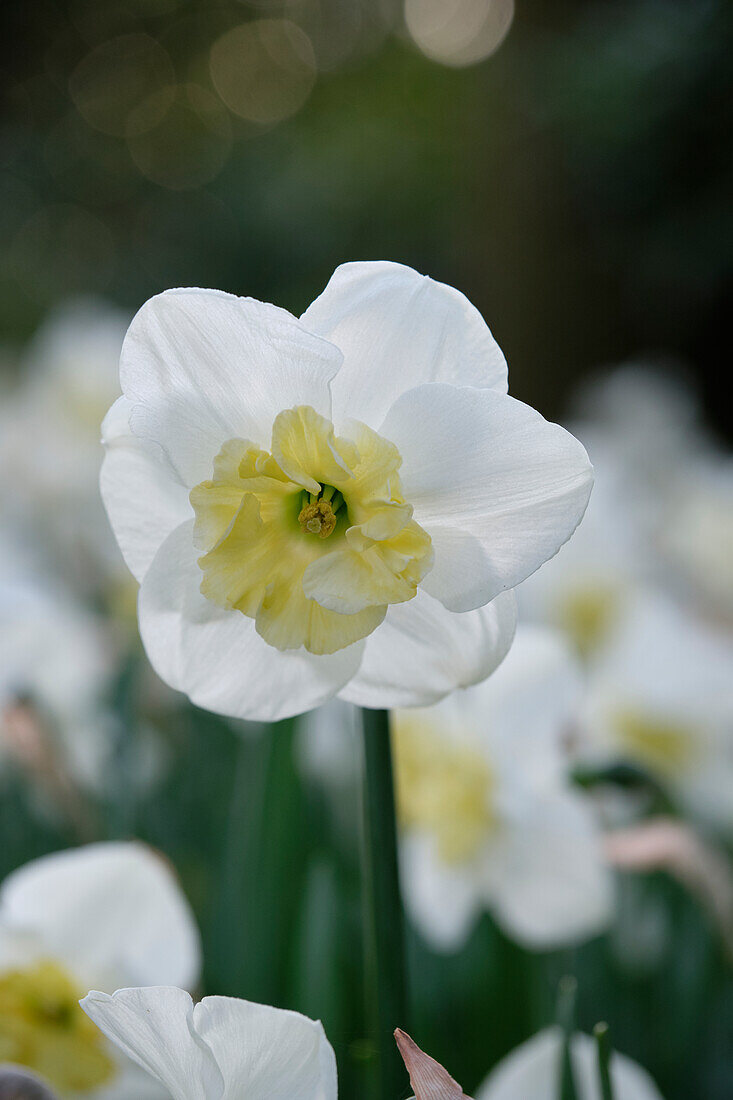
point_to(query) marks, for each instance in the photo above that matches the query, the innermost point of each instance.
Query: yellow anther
(317, 519)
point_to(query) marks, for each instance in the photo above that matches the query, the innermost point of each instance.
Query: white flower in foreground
(488, 819)
(532, 1072)
(102, 916)
(661, 696)
(50, 452)
(335, 504)
(220, 1049)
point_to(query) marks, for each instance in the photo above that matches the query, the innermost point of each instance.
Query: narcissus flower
(696, 535)
(336, 504)
(104, 915)
(488, 818)
(532, 1072)
(641, 432)
(50, 452)
(56, 661)
(220, 1048)
(660, 697)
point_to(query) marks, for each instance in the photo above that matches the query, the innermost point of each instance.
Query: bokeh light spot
(124, 86)
(458, 32)
(264, 70)
(189, 146)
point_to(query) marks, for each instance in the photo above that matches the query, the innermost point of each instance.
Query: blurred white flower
(696, 534)
(220, 1048)
(660, 695)
(651, 410)
(532, 1072)
(56, 658)
(105, 915)
(282, 563)
(641, 429)
(50, 448)
(328, 748)
(584, 589)
(488, 819)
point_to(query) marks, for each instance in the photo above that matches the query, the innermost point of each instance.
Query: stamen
(317, 519)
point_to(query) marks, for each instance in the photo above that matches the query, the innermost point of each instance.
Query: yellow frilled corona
(313, 539)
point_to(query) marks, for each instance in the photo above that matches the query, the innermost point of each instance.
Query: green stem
(567, 993)
(603, 1047)
(384, 921)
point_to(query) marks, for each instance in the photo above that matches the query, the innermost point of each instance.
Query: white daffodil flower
(640, 429)
(661, 696)
(50, 452)
(335, 504)
(584, 590)
(532, 1072)
(696, 535)
(220, 1049)
(55, 658)
(102, 916)
(488, 819)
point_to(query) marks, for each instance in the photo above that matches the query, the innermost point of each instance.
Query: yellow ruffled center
(43, 1028)
(312, 539)
(444, 788)
(659, 743)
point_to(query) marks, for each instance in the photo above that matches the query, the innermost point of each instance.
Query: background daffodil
(531, 1072)
(489, 818)
(103, 915)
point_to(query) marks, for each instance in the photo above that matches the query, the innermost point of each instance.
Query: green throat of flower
(319, 514)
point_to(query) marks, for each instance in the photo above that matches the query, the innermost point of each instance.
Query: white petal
(532, 1072)
(524, 710)
(112, 912)
(203, 367)
(216, 656)
(398, 329)
(155, 1028)
(421, 652)
(549, 882)
(440, 899)
(266, 1053)
(481, 468)
(144, 497)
